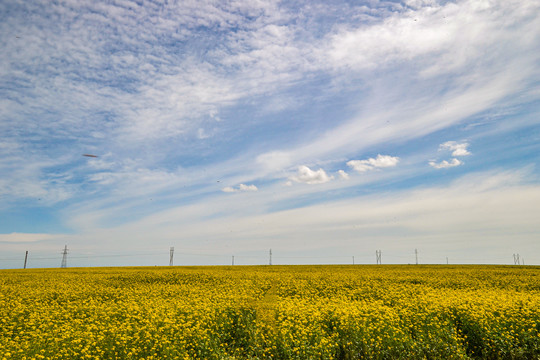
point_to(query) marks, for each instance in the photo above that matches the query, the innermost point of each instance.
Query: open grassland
(271, 312)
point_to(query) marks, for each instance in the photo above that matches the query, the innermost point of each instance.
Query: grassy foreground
(271, 312)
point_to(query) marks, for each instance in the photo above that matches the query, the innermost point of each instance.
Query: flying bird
(90, 155)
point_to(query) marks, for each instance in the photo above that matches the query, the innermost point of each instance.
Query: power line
(517, 258)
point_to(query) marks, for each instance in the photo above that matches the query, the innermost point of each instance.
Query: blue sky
(321, 130)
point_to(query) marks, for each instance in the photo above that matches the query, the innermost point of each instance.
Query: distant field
(271, 312)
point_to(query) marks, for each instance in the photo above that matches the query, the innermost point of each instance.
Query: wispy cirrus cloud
(164, 93)
(436, 49)
(431, 32)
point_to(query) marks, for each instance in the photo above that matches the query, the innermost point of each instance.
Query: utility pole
(172, 255)
(64, 257)
(516, 259)
(353, 260)
(233, 260)
(447, 260)
(25, 258)
(270, 262)
(378, 256)
(416, 255)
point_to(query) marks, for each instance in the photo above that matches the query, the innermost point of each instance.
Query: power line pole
(516, 259)
(378, 257)
(447, 260)
(416, 255)
(64, 257)
(270, 262)
(25, 258)
(233, 260)
(353, 260)
(172, 255)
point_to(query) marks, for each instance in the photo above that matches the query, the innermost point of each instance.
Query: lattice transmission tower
(64, 257)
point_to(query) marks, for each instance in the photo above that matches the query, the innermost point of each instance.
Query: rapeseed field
(271, 312)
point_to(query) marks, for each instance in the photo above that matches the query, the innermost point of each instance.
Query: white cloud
(240, 188)
(445, 164)
(308, 176)
(456, 148)
(343, 175)
(381, 161)
(243, 187)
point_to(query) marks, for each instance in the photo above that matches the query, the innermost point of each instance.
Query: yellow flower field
(271, 312)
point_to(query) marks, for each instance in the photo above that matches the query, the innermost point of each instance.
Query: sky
(324, 131)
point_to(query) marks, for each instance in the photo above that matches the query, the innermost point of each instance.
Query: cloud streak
(240, 188)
